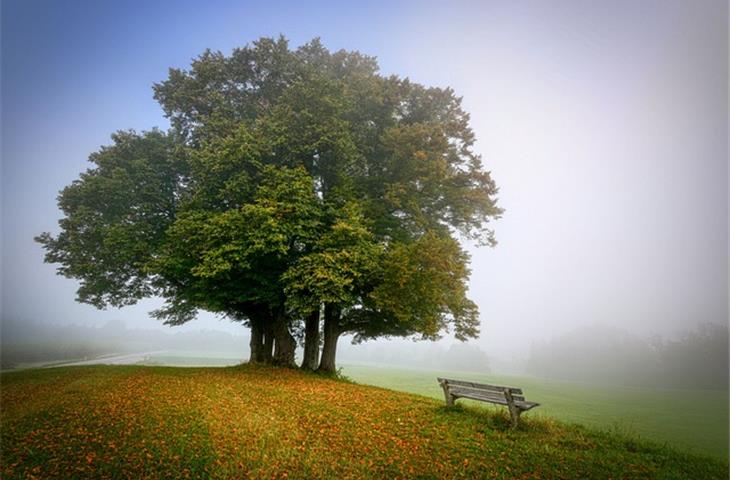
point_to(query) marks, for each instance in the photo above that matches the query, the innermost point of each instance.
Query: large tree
(292, 185)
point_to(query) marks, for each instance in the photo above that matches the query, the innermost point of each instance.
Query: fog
(28, 344)
(605, 125)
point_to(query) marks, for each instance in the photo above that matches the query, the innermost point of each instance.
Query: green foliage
(229, 261)
(291, 178)
(423, 287)
(340, 266)
(116, 216)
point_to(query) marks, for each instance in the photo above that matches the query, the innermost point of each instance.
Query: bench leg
(515, 414)
(447, 396)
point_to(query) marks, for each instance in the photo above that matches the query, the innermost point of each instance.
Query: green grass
(263, 422)
(183, 360)
(692, 420)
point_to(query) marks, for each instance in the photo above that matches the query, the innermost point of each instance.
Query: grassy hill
(164, 422)
(691, 420)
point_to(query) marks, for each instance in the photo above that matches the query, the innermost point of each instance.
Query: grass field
(262, 422)
(696, 421)
(674, 416)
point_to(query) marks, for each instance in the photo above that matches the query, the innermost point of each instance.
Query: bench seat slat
(476, 390)
(522, 405)
(462, 392)
(471, 396)
(525, 406)
(498, 393)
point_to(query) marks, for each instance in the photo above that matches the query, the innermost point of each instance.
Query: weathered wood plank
(525, 406)
(499, 393)
(448, 396)
(463, 383)
(483, 398)
(489, 393)
(514, 412)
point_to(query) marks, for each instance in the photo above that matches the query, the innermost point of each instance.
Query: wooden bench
(512, 397)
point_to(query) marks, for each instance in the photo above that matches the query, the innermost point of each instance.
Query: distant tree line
(299, 192)
(461, 357)
(697, 359)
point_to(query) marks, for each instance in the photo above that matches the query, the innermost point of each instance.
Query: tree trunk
(311, 342)
(267, 350)
(285, 344)
(257, 340)
(332, 333)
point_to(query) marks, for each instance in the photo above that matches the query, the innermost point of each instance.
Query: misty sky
(605, 125)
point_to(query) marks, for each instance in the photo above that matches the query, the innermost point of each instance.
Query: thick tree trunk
(257, 340)
(267, 350)
(332, 333)
(311, 342)
(284, 345)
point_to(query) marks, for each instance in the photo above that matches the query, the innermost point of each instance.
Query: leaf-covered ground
(673, 416)
(260, 422)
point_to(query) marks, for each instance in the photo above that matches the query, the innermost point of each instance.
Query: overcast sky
(605, 125)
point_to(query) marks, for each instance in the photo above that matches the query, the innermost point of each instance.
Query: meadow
(692, 420)
(672, 416)
(264, 422)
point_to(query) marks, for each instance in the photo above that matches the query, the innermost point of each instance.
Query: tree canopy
(294, 186)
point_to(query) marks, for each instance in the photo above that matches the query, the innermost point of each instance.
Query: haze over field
(605, 127)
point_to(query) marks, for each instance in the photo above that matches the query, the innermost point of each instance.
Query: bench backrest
(479, 386)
